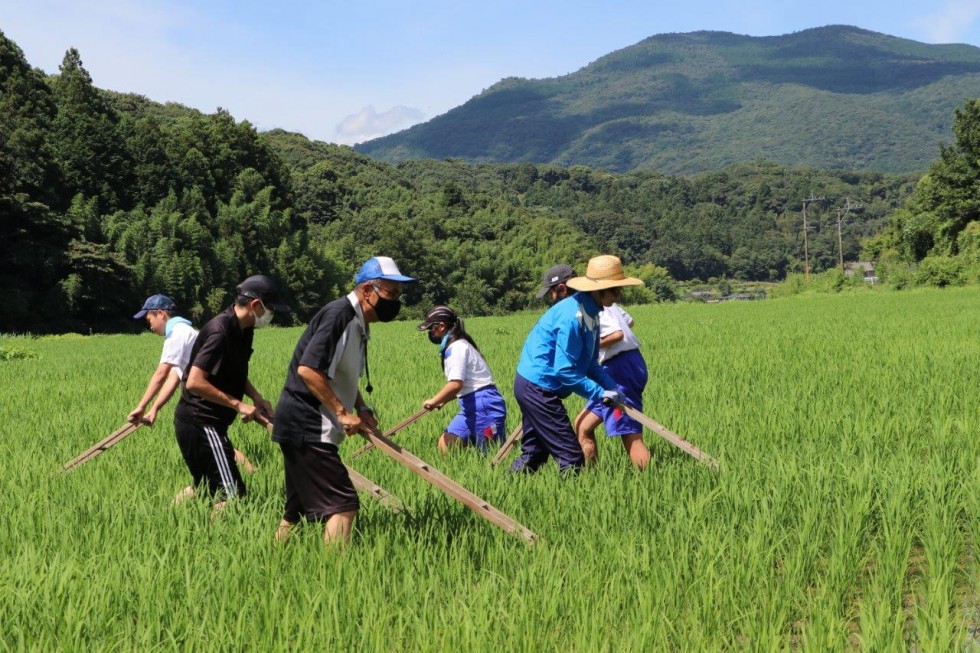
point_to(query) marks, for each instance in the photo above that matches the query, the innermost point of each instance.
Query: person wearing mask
(321, 401)
(560, 356)
(179, 335)
(215, 383)
(482, 412)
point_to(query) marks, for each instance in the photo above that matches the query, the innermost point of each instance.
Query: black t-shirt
(222, 349)
(333, 343)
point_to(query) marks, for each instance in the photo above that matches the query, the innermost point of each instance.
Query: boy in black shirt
(215, 382)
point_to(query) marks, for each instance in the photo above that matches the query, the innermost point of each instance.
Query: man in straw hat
(560, 357)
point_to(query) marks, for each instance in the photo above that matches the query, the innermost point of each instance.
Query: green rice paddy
(846, 514)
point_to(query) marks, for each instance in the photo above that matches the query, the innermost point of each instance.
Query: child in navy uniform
(482, 411)
(619, 355)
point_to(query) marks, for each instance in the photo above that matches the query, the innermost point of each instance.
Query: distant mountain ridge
(831, 97)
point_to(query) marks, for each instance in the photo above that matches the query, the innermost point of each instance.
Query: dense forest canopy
(833, 97)
(106, 198)
(938, 228)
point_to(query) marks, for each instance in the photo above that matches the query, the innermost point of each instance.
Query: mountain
(834, 97)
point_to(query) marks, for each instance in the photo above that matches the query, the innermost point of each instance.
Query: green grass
(844, 517)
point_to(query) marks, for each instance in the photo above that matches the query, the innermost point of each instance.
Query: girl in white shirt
(619, 355)
(482, 412)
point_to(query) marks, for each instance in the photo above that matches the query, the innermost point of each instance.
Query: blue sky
(346, 71)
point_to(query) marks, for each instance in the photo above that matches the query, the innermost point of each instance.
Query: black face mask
(434, 339)
(386, 309)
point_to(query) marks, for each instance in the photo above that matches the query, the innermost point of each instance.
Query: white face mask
(266, 318)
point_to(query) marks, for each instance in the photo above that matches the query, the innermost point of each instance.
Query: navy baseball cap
(155, 303)
(261, 287)
(555, 275)
(380, 267)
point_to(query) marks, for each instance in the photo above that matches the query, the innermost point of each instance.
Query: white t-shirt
(177, 346)
(611, 320)
(464, 363)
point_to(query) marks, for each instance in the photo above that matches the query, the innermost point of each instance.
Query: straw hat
(605, 271)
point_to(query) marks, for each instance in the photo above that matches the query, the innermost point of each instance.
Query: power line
(842, 212)
(806, 246)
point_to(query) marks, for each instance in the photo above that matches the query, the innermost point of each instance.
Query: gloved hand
(612, 397)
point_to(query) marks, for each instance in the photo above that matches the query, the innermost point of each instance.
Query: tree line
(106, 198)
(934, 238)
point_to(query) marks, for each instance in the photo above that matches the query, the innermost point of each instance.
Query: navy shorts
(629, 371)
(210, 457)
(317, 482)
(482, 418)
(547, 430)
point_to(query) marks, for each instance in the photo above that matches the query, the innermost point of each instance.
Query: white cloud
(368, 123)
(952, 22)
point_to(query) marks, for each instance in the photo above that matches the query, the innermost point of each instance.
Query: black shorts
(317, 482)
(210, 457)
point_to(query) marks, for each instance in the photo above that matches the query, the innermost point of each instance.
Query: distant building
(702, 296)
(744, 296)
(711, 297)
(865, 268)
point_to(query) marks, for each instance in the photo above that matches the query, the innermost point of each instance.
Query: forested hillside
(106, 198)
(744, 221)
(833, 97)
(934, 238)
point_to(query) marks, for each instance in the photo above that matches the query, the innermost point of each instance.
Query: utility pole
(842, 212)
(806, 246)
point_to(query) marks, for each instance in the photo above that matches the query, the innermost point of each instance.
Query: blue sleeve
(569, 366)
(601, 376)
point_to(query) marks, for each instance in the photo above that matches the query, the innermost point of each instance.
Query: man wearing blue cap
(216, 381)
(321, 402)
(179, 336)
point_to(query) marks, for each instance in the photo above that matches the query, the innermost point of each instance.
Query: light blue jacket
(561, 352)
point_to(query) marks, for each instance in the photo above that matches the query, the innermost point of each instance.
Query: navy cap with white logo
(555, 275)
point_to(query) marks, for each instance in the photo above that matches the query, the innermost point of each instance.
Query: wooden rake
(108, 442)
(507, 445)
(656, 427)
(671, 437)
(433, 476)
(391, 432)
(361, 483)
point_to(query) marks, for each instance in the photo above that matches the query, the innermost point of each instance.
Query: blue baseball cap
(155, 303)
(380, 267)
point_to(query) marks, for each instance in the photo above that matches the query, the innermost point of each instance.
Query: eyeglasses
(387, 294)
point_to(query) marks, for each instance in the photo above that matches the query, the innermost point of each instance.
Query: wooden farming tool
(109, 441)
(670, 437)
(361, 482)
(390, 432)
(507, 445)
(448, 486)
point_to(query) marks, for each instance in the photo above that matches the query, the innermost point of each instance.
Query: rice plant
(845, 515)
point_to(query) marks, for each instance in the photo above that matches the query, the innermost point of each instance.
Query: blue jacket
(561, 352)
